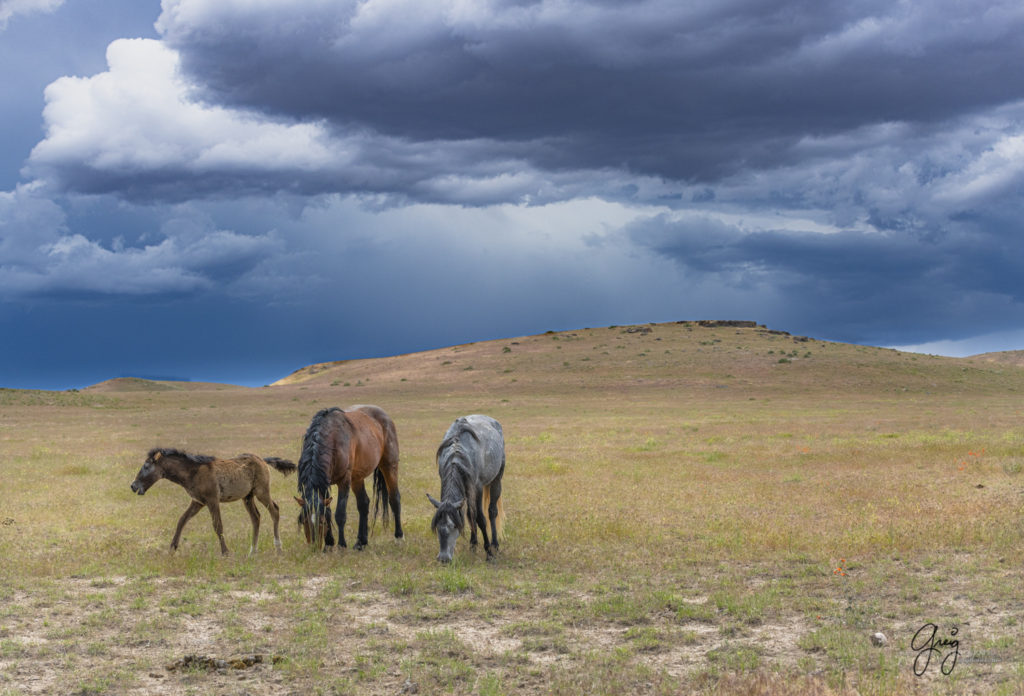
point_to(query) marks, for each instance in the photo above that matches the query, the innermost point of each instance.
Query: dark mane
(193, 459)
(312, 475)
(453, 463)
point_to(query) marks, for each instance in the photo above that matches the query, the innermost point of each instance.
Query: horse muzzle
(138, 488)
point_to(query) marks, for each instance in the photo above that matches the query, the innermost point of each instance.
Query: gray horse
(470, 462)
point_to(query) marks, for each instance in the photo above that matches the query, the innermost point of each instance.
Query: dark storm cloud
(40, 256)
(845, 170)
(653, 102)
(691, 91)
(854, 285)
(137, 132)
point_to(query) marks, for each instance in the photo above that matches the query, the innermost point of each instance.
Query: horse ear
(157, 456)
(431, 499)
(298, 500)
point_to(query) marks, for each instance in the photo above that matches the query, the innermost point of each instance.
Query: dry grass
(690, 510)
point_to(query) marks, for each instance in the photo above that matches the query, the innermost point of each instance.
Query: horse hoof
(360, 547)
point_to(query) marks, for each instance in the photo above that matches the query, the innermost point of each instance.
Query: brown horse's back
(388, 437)
(366, 442)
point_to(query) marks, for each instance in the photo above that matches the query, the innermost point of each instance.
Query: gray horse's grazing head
(448, 524)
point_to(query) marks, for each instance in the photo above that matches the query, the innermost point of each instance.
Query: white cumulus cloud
(10, 8)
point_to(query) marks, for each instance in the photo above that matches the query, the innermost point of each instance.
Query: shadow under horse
(342, 448)
(211, 481)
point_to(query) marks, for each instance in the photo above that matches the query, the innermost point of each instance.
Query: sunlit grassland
(686, 514)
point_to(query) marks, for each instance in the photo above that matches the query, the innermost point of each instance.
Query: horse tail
(380, 496)
(389, 458)
(499, 521)
(285, 466)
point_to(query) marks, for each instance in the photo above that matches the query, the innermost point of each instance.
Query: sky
(229, 190)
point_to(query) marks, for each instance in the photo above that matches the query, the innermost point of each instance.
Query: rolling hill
(687, 355)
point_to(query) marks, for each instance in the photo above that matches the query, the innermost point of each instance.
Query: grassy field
(691, 509)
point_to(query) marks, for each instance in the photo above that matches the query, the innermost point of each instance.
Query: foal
(211, 481)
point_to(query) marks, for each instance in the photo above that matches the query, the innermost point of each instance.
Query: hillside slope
(1011, 358)
(681, 355)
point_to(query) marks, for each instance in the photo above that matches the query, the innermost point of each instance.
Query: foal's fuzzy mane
(189, 458)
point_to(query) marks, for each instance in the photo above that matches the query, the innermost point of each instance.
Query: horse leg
(195, 507)
(341, 513)
(328, 533)
(492, 511)
(363, 503)
(218, 525)
(472, 514)
(481, 521)
(254, 515)
(394, 497)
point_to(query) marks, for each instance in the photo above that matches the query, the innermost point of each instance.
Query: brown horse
(342, 448)
(211, 481)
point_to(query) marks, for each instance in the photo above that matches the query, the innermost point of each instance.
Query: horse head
(151, 472)
(315, 518)
(448, 523)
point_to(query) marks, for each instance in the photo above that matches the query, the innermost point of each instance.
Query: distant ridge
(155, 378)
(1013, 358)
(304, 373)
(677, 354)
(136, 384)
(125, 384)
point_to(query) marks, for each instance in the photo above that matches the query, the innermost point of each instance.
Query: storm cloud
(685, 91)
(846, 170)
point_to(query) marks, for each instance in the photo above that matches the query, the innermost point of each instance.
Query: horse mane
(313, 476)
(193, 459)
(454, 439)
(454, 478)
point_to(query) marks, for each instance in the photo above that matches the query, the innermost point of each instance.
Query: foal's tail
(499, 521)
(380, 496)
(285, 466)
